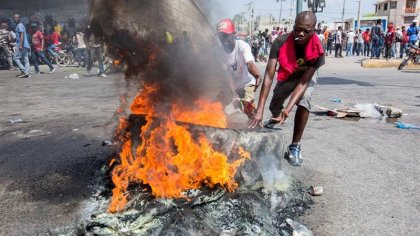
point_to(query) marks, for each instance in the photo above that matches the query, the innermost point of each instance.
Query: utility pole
(358, 16)
(281, 9)
(292, 4)
(342, 15)
(298, 6)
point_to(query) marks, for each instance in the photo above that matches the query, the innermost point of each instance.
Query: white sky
(331, 13)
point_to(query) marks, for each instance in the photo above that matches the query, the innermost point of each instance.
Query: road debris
(107, 143)
(316, 190)
(402, 125)
(367, 110)
(74, 76)
(299, 229)
(15, 120)
(336, 100)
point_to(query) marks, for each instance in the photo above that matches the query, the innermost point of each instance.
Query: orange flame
(168, 158)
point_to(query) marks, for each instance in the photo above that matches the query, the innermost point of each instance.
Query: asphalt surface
(368, 168)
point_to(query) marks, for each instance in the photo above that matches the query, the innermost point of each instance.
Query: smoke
(171, 43)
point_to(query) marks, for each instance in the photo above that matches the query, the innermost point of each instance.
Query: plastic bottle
(299, 229)
(336, 100)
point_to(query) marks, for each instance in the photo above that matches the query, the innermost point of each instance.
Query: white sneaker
(52, 71)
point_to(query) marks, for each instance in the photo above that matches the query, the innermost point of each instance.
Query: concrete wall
(400, 15)
(78, 12)
(144, 16)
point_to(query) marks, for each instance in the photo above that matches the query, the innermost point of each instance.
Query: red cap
(226, 26)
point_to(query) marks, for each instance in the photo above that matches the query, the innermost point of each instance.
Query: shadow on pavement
(410, 71)
(340, 81)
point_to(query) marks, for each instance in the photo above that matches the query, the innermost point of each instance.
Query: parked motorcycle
(413, 55)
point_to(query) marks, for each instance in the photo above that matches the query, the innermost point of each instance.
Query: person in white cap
(240, 63)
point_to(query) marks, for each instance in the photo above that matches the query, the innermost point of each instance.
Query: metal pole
(281, 9)
(358, 16)
(298, 6)
(342, 15)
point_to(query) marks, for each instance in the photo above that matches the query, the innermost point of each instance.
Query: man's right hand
(256, 121)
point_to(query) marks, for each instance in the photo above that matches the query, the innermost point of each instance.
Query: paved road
(368, 168)
(48, 162)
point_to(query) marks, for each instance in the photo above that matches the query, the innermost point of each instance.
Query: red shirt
(366, 36)
(55, 38)
(404, 36)
(37, 41)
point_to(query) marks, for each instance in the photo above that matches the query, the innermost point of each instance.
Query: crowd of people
(35, 43)
(372, 42)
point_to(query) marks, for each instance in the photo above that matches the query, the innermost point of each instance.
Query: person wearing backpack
(412, 33)
(376, 38)
(404, 41)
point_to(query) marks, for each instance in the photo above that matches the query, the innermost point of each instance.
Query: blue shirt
(20, 28)
(412, 33)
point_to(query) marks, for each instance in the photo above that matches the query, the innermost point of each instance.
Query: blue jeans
(40, 56)
(349, 49)
(366, 51)
(22, 55)
(403, 49)
(96, 51)
(376, 49)
(51, 50)
(82, 53)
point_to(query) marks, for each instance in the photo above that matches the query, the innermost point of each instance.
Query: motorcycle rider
(5, 39)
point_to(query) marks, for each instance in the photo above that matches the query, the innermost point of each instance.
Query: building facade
(401, 12)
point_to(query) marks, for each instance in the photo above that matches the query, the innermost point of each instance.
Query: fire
(168, 158)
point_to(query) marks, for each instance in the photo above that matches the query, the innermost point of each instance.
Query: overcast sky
(331, 13)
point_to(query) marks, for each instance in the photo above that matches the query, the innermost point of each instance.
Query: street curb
(375, 63)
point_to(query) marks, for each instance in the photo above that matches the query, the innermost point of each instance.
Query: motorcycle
(413, 55)
(63, 58)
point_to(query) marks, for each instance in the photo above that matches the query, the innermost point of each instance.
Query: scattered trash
(74, 76)
(391, 112)
(364, 111)
(15, 120)
(298, 229)
(336, 100)
(75, 129)
(107, 143)
(86, 145)
(402, 125)
(316, 190)
(368, 110)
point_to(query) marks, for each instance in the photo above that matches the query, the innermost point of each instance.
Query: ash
(206, 212)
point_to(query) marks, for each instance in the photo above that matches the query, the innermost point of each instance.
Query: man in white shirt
(240, 62)
(350, 42)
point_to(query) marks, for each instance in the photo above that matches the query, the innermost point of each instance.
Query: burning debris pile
(181, 170)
